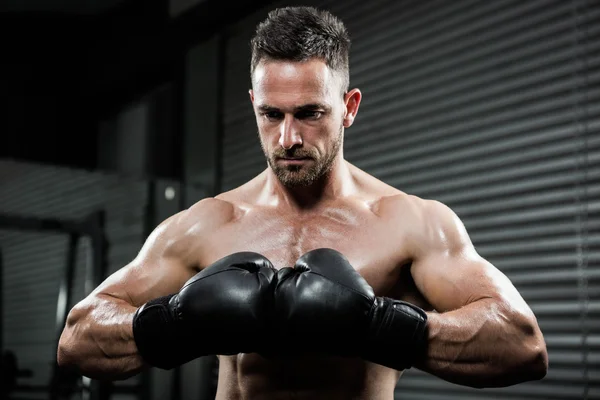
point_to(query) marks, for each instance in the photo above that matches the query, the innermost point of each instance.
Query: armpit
(406, 289)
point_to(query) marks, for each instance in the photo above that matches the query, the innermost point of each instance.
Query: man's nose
(289, 136)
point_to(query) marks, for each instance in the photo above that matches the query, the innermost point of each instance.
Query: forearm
(483, 345)
(98, 340)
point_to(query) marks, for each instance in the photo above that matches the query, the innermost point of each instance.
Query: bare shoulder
(178, 234)
(401, 206)
(206, 214)
(211, 212)
(428, 223)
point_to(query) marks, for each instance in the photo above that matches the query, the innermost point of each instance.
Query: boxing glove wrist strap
(397, 334)
(159, 336)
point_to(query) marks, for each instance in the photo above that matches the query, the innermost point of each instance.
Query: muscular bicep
(160, 268)
(450, 273)
(450, 281)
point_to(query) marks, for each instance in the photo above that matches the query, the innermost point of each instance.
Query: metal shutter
(34, 262)
(494, 109)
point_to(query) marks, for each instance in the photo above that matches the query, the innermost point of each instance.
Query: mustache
(293, 153)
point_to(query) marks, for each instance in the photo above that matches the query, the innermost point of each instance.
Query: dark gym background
(118, 113)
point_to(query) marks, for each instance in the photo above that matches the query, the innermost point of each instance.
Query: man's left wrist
(397, 336)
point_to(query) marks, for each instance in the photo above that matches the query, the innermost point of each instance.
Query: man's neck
(337, 182)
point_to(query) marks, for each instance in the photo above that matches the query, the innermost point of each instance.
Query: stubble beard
(295, 176)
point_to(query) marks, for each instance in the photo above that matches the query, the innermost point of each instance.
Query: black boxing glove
(224, 309)
(324, 305)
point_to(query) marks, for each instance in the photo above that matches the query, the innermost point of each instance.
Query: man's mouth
(293, 160)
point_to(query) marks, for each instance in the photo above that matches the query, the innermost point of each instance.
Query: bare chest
(372, 246)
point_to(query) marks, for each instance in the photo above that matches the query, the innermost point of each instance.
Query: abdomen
(251, 376)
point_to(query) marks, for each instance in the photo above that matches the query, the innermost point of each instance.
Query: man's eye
(309, 115)
(272, 115)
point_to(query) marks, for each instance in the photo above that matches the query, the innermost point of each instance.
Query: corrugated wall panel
(29, 300)
(494, 109)
(34, 262)
(590, 250)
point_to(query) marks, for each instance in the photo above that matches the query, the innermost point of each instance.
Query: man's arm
(483, 333)
(98, 336)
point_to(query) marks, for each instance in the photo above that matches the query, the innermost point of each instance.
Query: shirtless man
(313, 280)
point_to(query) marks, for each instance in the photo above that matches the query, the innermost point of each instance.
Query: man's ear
(352, 101)
(251, 95)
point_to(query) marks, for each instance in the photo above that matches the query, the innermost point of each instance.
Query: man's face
(300, 113)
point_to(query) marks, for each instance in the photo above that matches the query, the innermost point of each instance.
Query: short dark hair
(300, 34)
